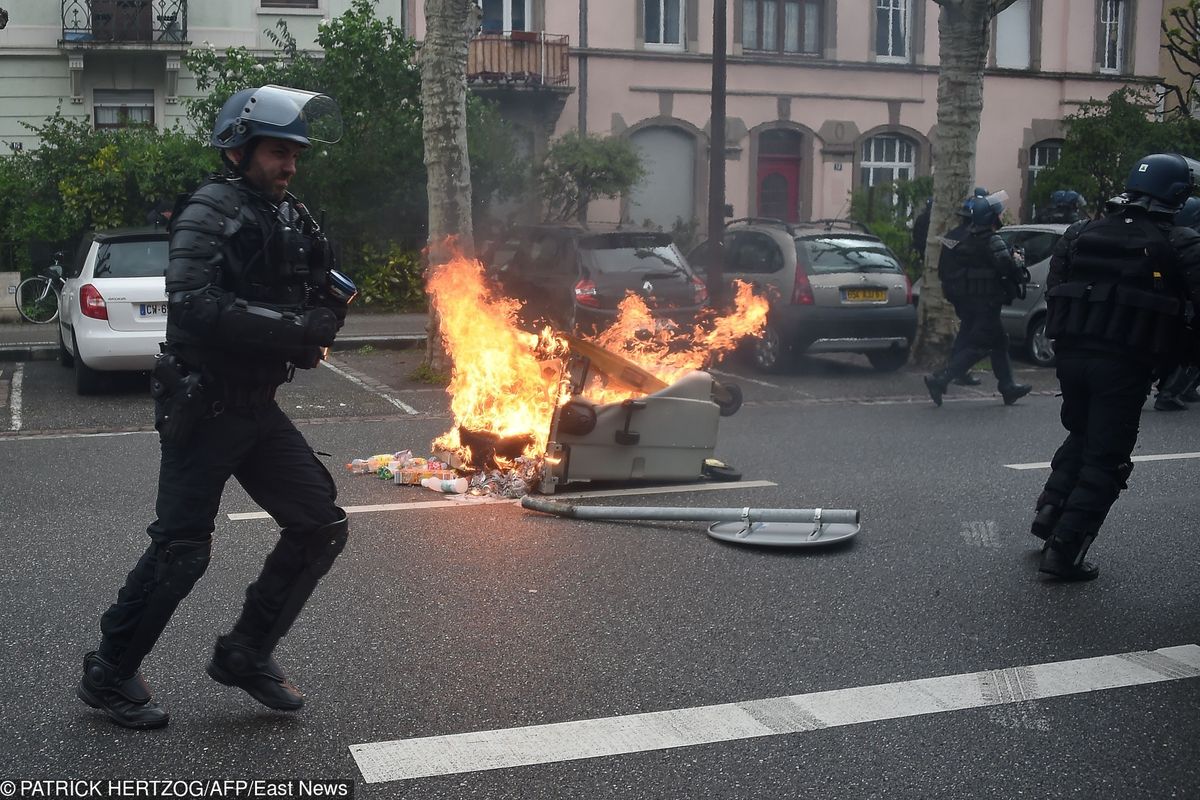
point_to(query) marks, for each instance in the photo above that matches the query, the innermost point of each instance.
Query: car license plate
(866, 295)
(152, 309)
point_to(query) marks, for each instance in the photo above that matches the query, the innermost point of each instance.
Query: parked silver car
(1025, 320)
(834, 288)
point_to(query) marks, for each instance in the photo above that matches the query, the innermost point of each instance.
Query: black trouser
(980, 334)
(262, 449)
(1102, 400)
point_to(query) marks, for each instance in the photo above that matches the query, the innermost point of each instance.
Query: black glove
(320, 327)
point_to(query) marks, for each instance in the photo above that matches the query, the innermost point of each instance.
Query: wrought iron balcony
(124, 21)
(528, 58)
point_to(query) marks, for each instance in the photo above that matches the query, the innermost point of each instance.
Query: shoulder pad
(221, 196)
(1075, 229)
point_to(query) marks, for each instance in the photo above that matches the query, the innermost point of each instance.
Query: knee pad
(325, 544)
(180, 565)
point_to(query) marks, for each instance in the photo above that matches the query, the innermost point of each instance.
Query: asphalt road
(444, 621)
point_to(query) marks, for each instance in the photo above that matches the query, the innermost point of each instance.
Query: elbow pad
(237, 323)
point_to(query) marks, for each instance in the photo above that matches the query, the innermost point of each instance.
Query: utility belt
(184, 395)
(1134, 319)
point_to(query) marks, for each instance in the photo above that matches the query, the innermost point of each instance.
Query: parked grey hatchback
(834, 288)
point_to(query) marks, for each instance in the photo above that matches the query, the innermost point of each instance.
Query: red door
(779, 187)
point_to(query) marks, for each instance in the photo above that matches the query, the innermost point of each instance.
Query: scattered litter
(450, 476)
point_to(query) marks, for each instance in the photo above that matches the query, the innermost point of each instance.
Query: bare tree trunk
(450, 24)
(963, 38)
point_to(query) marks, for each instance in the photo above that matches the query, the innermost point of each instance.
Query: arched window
(887, 158)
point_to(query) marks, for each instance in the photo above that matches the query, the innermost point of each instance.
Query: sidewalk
(21, 341)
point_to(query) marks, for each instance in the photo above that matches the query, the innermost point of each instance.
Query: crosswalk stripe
(406, 759)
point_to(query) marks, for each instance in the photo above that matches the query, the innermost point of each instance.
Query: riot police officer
(1116, 292)
(1066, 205)
(253, 294)
(979, 277)
(1177, 382)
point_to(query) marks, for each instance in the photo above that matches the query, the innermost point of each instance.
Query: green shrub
(388, 280)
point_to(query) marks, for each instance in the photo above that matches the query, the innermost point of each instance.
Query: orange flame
(508, 382)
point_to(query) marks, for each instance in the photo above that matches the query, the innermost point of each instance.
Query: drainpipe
(583, 65)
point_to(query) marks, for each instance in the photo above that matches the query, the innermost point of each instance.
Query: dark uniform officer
(252, 294)
(1177, 384)
(1066, 205)
(979, 277)
(1115, 297)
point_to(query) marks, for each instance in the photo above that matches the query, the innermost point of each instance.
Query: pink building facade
(824, 96)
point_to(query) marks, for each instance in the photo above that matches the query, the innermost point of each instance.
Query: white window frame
(681, 8)
(122, 100)
(1109, 26)
(894, 166)
(507, 15)
(1036, 163)
(1008, 25)
(890, 8)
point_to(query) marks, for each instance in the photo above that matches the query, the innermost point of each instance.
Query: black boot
(937, 383)
(1169, 402)
(236, 662)
(970, 379)
(1013, 392)
(1062, 557)
(126, 701)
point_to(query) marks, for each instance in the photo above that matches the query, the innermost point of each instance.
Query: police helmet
(1167, 177)
(984, 211)
(1189, 215)
(278, 112)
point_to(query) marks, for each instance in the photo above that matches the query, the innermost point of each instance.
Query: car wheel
(770, 352)
(888, 360)
(1038, 348)
(64, 355)
(87, 380)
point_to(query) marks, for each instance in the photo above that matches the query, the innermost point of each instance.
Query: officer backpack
(1119, 290)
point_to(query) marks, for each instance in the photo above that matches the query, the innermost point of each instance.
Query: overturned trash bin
(669, 433)
(770, 527)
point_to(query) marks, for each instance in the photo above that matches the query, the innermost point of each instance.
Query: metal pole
(716, 163)
(847, 516)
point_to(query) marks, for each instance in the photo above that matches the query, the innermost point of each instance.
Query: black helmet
(1167, 177)
(984, 210)
(1188, 216)
(278, 112)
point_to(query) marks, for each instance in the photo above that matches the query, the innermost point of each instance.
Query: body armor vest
(1120, 290)
(965, 266)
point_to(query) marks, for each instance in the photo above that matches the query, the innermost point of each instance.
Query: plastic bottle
(359, 466)
(457, 486)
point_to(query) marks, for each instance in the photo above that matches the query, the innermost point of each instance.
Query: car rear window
(827, 254)
(632, 252)
(139, 258)
(1038, 245)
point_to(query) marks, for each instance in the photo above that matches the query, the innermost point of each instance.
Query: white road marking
(14, 397)
(474, 501)
(37, 436)
(704, 487)
(1159, 457)
(400, 404)
(405, 759)
(743, 378)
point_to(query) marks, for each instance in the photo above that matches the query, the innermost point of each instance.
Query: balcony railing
(529, 58)
(120, 21)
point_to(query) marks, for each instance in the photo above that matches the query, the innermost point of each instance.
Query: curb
(42, 351)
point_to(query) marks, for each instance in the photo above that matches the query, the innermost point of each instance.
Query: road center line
(1159, 457)
(400, 404)
(479, 501)
(405, 759)
(744, 378)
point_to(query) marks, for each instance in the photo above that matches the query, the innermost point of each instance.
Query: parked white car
(113, 305)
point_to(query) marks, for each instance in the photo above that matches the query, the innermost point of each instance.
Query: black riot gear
(1116, 292)
(979, 277)
(253, 293)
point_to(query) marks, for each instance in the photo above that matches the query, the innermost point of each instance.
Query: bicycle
(38, 296)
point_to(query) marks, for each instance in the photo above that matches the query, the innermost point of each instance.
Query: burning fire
(507, 382)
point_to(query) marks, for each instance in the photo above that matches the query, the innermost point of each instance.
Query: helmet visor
(280, 106)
